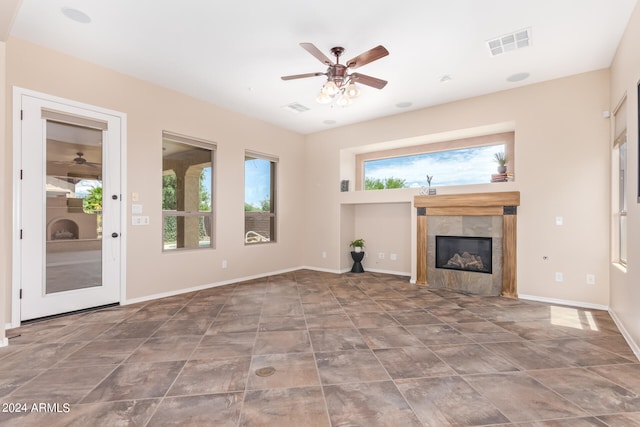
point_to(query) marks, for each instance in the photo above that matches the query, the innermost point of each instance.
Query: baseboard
(10, 326)
(322, 270)
(242, 279)
(569, 303)
(395, 273)
(4, 342)
(632, 344)
(207, 286)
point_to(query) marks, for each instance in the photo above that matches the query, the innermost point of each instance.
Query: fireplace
(464, 253)
(469, 215)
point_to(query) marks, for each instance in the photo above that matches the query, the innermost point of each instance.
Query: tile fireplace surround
(499, 204)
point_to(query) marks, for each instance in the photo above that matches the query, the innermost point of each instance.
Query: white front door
(69, 207)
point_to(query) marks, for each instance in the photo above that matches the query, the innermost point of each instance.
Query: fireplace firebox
(464, 253)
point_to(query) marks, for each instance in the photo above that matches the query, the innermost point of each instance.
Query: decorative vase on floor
(357, 261)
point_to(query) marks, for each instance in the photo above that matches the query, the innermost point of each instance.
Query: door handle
(114, 235)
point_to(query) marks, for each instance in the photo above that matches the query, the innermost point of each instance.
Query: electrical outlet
(224, 263)
(559, 276)
(591, 279)
(559, 220)
(324, 254)
(393, 257)
(380, 255)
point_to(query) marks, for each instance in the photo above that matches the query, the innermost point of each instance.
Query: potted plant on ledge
(357, 245)
(501, 159)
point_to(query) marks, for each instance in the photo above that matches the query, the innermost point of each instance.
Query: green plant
(92, 202)
(358, 243)
(500, 158)
(381, 184)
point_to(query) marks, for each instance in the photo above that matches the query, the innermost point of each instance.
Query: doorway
(69, 215)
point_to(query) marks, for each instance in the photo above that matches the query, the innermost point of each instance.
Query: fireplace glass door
(473, 254)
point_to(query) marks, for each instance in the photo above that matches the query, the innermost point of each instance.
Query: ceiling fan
(79, 160)
(339, 80)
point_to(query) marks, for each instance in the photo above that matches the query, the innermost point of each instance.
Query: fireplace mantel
(502, 204)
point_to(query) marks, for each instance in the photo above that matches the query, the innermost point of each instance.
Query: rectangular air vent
(295, 108)
(508, 42)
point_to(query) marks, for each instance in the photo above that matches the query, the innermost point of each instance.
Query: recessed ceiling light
(405, 104)
(76, 15)
(329, 122)
(517, 77)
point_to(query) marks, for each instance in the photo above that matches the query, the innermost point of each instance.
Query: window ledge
(621, 267)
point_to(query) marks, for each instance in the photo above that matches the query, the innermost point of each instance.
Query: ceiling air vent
(508, 42)
(295, 108)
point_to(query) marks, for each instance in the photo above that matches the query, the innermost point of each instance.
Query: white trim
(395, 273)
(323, 270)
(18, 93)
(16, 201)
(634, 346)
(8, 326)
(4, 342)
(206, 286)
(569, 303)
(241, 279)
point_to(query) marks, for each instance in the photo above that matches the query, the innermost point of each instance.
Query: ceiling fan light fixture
(343, 100)
(323, 98)
(352, 90)
(330, 88)
(340, 85)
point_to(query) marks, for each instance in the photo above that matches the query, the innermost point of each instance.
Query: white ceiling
(232, 53)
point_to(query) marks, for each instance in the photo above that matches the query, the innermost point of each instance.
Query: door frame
(16, 272)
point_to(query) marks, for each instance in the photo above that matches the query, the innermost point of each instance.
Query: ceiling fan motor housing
(337, 73)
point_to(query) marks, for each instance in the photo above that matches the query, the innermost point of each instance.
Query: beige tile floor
(348, 350)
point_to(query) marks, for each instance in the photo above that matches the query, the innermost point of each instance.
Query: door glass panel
(73, 236)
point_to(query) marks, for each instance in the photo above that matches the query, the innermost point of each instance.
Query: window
(622, 202)
(458, 162)
(187, 192)
(620, 167)
(259, 198)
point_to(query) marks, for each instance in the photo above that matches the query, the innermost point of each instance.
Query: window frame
(273, 201)
(622, 183)
(619, 184)
(506, 138)
(211, 214)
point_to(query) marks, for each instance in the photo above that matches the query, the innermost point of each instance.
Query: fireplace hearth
(464, 253)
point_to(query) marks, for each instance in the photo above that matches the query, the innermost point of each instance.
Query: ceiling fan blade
(368, 80)
(367, 57)
(310, 47)
(302, 76)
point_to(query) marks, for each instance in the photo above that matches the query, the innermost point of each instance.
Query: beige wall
(562, 162)
(625, 285)
(151, 109)
(562, 169)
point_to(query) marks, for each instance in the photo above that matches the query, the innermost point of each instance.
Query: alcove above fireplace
(500, 211)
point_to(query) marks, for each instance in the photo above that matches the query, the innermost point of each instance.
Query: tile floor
(348, 350)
